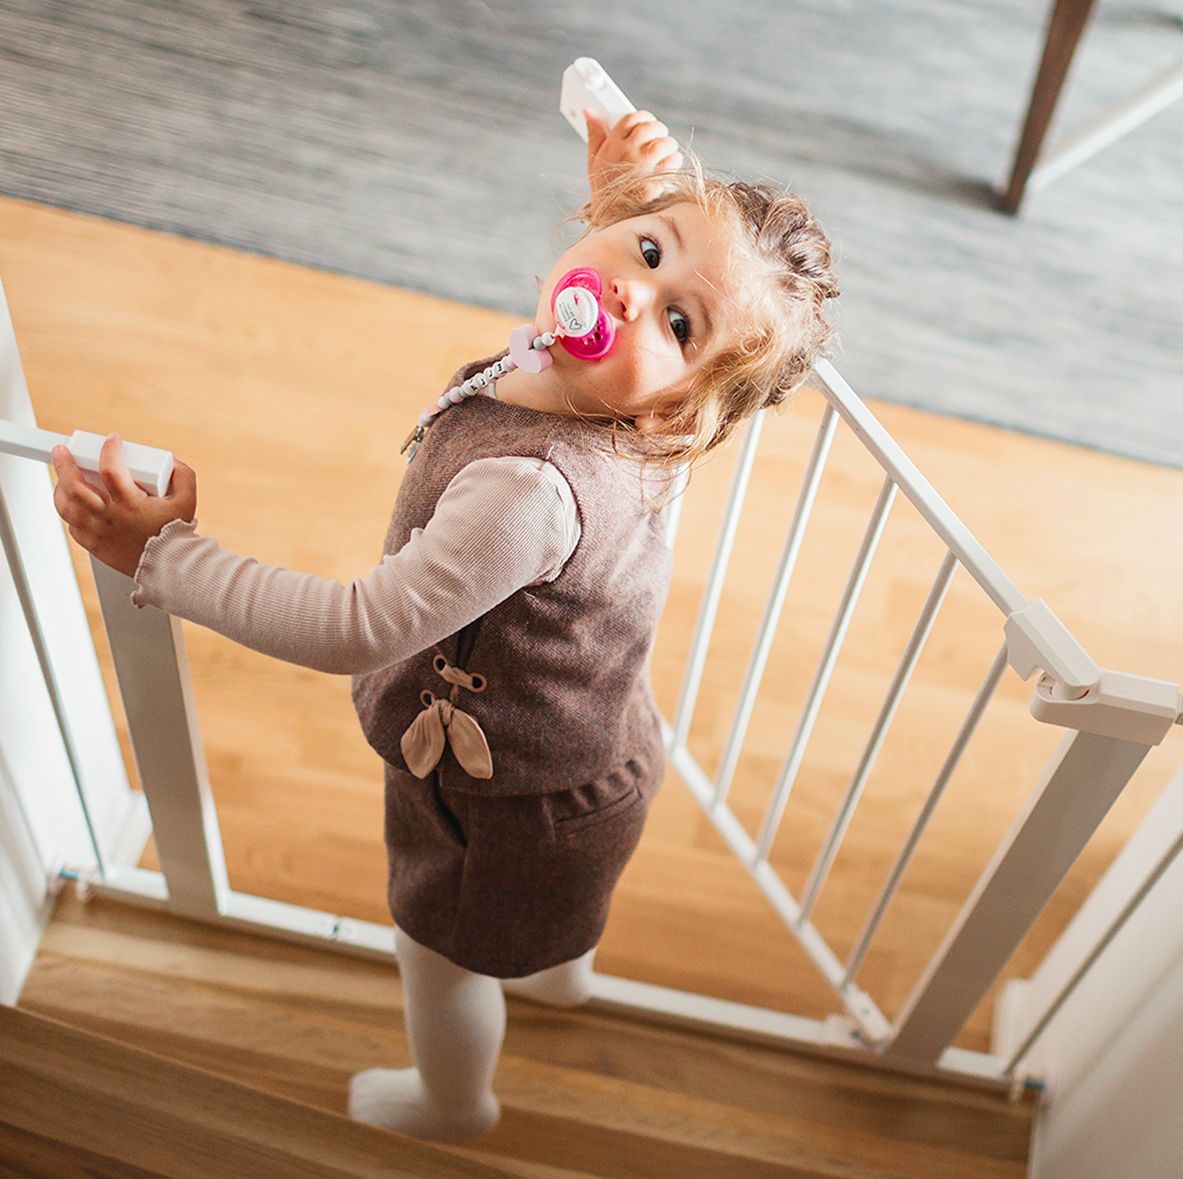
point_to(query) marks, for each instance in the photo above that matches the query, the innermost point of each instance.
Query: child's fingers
(627, 124)
(182, 489)
(72, 486)
(670, 163)
(75, 509)
(597, 132)
(115, 472)
(642, 132)
(658, 149)
(184, 478)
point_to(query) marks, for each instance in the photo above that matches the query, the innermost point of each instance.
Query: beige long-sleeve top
(501, 524)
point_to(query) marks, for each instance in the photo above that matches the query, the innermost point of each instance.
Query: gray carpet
(420, 144)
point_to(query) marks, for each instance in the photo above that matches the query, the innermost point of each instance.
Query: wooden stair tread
(90, 1105)
(583, 1092)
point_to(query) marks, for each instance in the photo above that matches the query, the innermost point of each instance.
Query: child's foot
(395, 1100)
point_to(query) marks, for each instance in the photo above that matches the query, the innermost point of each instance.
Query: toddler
(499, 653)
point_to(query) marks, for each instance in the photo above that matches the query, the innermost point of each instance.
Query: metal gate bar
(688, 696)
(821, 679)
(788, 562)
(887, 713)
(968, 727)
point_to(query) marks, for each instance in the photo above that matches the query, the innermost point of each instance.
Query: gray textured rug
(420, 144)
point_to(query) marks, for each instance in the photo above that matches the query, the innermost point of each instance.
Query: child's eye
(680, 325)
(652, 255)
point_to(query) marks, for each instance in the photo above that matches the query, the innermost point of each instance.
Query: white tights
(455, 1021)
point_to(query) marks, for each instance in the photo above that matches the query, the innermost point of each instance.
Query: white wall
(1115, 1050)
(24, 907)
(40, 815)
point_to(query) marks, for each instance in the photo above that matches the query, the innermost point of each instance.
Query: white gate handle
(150, 467)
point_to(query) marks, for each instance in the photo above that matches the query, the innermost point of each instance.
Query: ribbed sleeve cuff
(148, 591)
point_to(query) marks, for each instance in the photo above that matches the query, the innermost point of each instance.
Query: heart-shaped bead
(521, 351)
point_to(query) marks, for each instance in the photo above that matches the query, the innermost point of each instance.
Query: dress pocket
(607, 798)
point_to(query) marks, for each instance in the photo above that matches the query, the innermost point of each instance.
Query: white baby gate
(1111, 721)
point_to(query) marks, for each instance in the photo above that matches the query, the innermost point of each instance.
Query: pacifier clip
(582, 327)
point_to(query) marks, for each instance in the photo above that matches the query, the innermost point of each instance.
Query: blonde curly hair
(785, 330)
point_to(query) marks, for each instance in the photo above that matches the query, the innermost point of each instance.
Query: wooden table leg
(1064, 30)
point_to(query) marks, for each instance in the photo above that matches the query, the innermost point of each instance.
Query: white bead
(424, 418)
(480, 380)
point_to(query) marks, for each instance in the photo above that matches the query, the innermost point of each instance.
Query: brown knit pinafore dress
(510, 873)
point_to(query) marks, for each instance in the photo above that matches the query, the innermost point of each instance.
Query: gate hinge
(1036, 640)
(1129, 707)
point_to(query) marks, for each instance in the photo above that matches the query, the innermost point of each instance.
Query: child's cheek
(626, 373)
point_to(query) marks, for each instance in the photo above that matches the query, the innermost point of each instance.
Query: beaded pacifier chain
(582, 327)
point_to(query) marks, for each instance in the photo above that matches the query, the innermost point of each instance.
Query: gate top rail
(928, 502)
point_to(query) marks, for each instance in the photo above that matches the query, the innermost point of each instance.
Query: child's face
(671, 286)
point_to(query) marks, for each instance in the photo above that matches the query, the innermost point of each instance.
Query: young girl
(500, 651)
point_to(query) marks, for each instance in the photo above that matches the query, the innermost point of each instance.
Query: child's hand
(116, 525)
(637, 141)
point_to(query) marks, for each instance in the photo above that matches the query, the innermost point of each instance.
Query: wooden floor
(583, 1093)
(289, 391)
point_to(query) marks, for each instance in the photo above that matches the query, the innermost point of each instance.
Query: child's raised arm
(638, 141)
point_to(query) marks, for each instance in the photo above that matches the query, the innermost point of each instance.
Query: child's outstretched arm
(637, 142)
(502, 523)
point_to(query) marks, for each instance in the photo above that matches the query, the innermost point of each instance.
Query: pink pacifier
(581, 324)
(588, 330)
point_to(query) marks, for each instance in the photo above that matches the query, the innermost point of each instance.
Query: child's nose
(631, 297)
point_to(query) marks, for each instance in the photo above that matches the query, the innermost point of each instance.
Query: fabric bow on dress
(423, 742)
